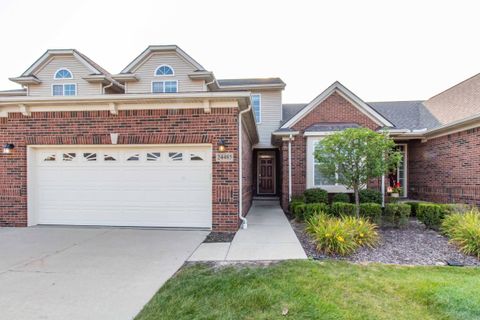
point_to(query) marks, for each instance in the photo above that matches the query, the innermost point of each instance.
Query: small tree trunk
(357, 202)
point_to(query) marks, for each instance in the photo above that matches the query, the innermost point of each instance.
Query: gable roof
(347, 94)
(97, 73)
(142, 57)
(411, 115)
(86, 61)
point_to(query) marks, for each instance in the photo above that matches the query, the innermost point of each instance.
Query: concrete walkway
(269, 237)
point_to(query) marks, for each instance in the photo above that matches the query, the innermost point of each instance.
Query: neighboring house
(163, 143)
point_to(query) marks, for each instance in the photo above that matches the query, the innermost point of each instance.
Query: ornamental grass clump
(342, 236)
(464, 231)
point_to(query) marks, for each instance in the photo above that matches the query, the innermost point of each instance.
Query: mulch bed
(219, 237)
(411, 245)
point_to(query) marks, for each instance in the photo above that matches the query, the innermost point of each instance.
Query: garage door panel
(124, 193)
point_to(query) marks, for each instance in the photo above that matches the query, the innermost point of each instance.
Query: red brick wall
(247, 169)
(446, 169)
(333, 109)
(135, 127)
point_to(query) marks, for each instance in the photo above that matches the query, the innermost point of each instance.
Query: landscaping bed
(411, 245)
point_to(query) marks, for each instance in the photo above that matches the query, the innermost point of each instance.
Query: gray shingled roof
(249, 82)
(291, 109)
(411, 115)
(406, 114)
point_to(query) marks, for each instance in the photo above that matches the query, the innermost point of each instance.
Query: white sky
(381, 50)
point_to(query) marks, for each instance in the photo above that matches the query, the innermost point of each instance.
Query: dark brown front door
(266, 174)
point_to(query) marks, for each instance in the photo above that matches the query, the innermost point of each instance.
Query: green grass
(318, 290)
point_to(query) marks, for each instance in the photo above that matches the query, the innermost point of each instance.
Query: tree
(356, 155)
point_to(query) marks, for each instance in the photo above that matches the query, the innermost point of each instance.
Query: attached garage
(154, 186)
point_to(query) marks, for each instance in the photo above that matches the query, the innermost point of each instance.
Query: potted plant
(395, 190)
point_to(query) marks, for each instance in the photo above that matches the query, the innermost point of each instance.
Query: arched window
(63, 74)
(164, 70)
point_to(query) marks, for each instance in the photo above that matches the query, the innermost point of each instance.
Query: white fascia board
(126, 97)
(318, 133)
(287, 133)
(356, 101)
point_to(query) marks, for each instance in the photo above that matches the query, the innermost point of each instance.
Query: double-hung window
(257, 107)
(165, 86)
(64, 90)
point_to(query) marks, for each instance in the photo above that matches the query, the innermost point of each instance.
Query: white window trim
(336, 188)
(164, 75)
(55, 74)
(63, 89)
(156, 81)
(258, 121)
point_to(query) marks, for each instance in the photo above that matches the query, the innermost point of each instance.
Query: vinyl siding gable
(146, 74)
(47, 72)
(271, 116)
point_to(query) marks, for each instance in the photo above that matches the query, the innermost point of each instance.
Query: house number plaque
(224, 157)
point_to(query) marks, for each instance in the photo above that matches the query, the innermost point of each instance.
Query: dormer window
(64, 89)
(164, 70)
(63, 74)
(165, 86)
(67, 89)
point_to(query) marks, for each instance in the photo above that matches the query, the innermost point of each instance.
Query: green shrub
(341, 209)
(371, 211)
(370, 196)
(397, 214)
(298, 198)
(312, 209)
(342, 236)
(316, 195)
(298, 210)
(463, 229)
(303, 211)
(413, 207)
(341, 197)
(294, 203)
(450, 208)
(431, 214)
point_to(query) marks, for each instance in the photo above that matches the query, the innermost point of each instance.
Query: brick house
(163, 143)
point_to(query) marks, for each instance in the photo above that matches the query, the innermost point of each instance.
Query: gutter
(240, 168)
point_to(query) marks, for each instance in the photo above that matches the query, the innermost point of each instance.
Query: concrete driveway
(86, 273)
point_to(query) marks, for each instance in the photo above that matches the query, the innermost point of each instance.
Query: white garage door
(155, 186)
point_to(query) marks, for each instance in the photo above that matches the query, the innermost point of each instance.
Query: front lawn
(318, 290)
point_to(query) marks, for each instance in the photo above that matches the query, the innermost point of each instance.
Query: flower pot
(395, 195)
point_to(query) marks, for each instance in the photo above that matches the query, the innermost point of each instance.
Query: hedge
(341, 197)
(316, 195)
(370, 196)
(431, 214)
(341, 209)
(371, 211)
(397, 213)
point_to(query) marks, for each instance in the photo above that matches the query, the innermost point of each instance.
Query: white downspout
(290, 168)
(240, 169)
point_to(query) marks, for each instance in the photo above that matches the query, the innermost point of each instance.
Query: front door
(266, 173)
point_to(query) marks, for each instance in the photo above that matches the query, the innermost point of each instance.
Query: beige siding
(458, 102)
(47, 72)
(145, 73)
(271, 114)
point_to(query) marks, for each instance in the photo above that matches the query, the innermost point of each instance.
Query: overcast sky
(381, 50)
